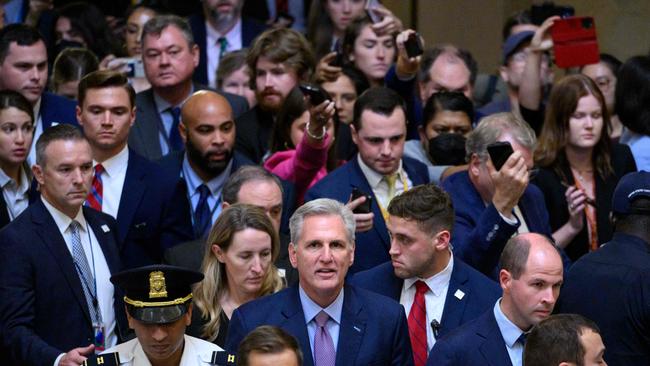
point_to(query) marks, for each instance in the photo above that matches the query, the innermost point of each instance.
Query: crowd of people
(294, 186)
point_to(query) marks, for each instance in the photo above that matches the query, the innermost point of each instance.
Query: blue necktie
(175, 141)
(84, 272)
(202, 214)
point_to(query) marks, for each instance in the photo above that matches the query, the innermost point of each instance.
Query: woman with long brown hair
(579, 166)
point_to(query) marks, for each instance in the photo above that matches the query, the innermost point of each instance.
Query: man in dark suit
(169, 57)
(530, 276)
(379, 170)
(424, 276)
(278, 60)
(493, 205)
(55, 262)
(23, 68)
(611, 286)
(147, 203)
(332, 321)
(220, 28)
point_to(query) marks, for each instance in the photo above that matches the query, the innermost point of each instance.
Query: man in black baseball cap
(159, 307)
(611, 286)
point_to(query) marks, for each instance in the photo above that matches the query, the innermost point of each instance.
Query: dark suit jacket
(611, 286)
(144, 136)
(479, 292)
(40, 291)
(151, 216)
(550, 183)
(478, 342)
(254, 133)
(373, 328)
(250, 28)
(479, 231)
(4, 214)
(57, 109)
(371, 246)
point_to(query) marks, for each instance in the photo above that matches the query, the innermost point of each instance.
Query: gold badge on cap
(157, 285)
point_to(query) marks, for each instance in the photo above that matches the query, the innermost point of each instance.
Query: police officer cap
(157, 294)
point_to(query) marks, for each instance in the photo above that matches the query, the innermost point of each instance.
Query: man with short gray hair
(333, 322)
(493, 204)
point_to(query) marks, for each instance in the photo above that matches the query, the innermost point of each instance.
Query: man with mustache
(208, 132)
(218, 29)
(278, 60)
(530, 277)
(147, 203)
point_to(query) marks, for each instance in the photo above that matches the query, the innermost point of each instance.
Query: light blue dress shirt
(510, 333)
(311, 309)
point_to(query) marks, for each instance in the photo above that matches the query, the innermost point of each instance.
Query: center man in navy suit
(57, 305)
(530, 277)
(147, 203)
(379, 170)
(424, 276)
(335, 324)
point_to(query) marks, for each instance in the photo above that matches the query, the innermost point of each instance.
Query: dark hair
(10, 98)
(447, 101)
(319, 28)
(105, 79)
(282, 45)
(356, 76)
(632, 99)
(431, 55)
(89, 22)
(428, 205)
(22, 34)
(267, 339)
(517, 18)
(556, 339)
(380, 100)
(233, 184)
(156, 25)
(229, 63)
(352, 32)
(562, 103)
(610, 61)
(60, 132)
(72, 64)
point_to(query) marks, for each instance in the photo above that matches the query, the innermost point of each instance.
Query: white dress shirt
(213, 48)
(113, 181)
(379, 185)
(16, 196)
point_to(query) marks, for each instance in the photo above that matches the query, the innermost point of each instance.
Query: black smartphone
(539, 13)
(413, 45)
(338, 59)
(499, 152)
(316, 94)
(365, 206)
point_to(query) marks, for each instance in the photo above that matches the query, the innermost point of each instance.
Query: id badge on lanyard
(100, 337)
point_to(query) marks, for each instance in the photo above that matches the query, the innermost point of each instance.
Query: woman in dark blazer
(578, 165)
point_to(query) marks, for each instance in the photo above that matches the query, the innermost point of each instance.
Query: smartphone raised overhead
(499, 153)
(317, 95)
(575, 42)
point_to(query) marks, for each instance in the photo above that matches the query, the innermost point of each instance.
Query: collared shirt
(518, 219)
(16, 196)
(378, 183)
(97, 263)
(167, 119)
(38, 131)
(510, 333)
(434, 298)
(113, 181)
(193, 181)
(311, 309)
(213, 48)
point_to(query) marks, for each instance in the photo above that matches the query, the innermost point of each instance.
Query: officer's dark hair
(22, 34)
(61, 132)
(428, 205)
(248, 173)
(267, 339)
(380, 100)
(556, 339)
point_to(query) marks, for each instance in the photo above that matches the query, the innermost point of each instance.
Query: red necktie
(417, 322)
(96, 195)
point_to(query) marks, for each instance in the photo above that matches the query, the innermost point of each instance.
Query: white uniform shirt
(195, 352)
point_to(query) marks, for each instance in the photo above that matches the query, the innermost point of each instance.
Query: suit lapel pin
(105, 228)
(459, 294)
(357, 329)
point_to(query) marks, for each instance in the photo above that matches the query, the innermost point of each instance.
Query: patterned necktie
(202, 214)
(175, 141)
(324, 353)
(417, 322)
(84, 272)
(96, 195)
(223, 46)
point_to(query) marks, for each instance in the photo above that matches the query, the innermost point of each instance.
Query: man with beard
(219, 29)
(147, 204)
(169, 57)
(208, 131)
(278, 60)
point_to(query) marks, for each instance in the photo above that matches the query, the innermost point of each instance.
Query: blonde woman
(238, 267)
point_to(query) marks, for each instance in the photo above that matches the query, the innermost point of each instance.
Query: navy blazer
(40, 291)
(57, 110)
(144, 136)
(151, 215)
(32, 194)
(250, 28)
(480, 233)
(373, 245)
(478, 342)
(611, 286)
(373, 328)
(477, 292)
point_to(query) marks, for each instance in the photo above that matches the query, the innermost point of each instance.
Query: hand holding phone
(413, 45)
(315, 93)
(575, 42)
(499, 153)
(365, 206)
